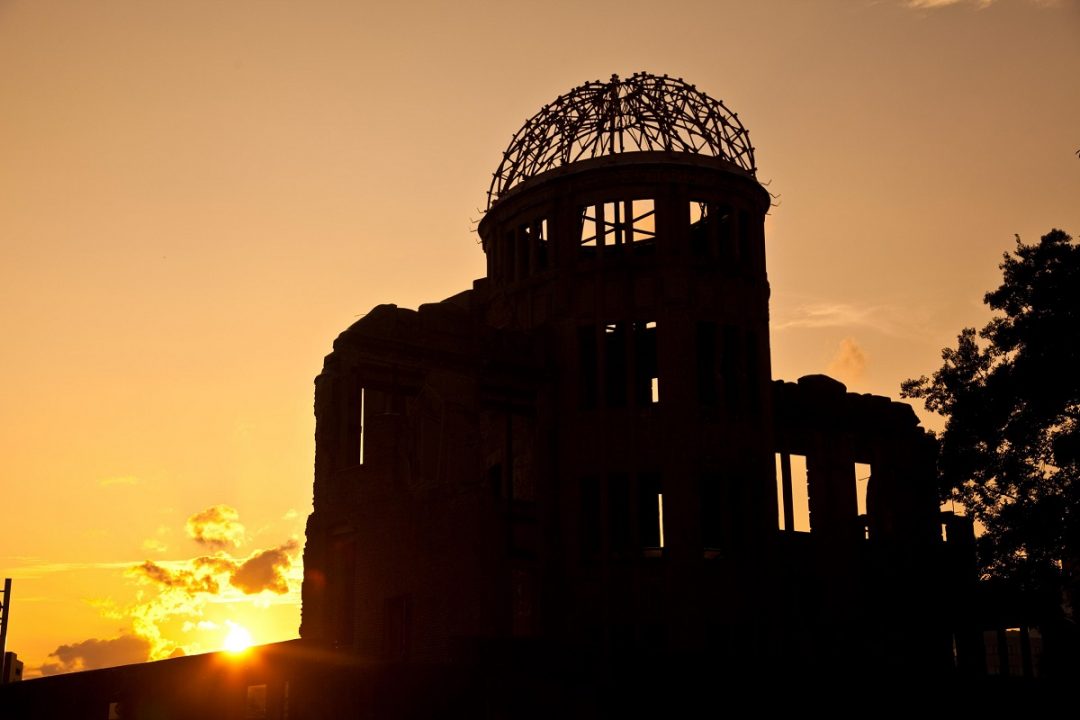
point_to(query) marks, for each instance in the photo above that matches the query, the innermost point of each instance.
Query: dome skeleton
(641, 113)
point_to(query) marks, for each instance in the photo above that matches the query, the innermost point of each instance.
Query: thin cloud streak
(891, 320)
(32, 572)
(977, 4)
(119, 480)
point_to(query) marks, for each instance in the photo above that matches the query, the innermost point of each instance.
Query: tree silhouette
(1010, 450)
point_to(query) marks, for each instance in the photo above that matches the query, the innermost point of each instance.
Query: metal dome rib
(640, 113)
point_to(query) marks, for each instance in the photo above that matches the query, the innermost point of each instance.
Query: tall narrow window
(660, 515)
(532, 246)
(650, 509)
(542, 256)
(702, 230)
(353, 442)
(615, 364)
(646, 375)
(793, 493)
(360, 430)
(862, 482)
(862, 479)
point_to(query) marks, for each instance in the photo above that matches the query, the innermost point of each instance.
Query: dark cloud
(190, 581)
(265, 570)
(93, 653)
(216, 527)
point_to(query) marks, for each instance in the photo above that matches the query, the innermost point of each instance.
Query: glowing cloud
(266, 570)
(848, 363)
(217, 527)
(176, 594)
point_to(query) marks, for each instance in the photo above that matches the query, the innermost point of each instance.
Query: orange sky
(197, 196)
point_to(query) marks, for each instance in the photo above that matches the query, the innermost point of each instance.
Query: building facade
(586, 452)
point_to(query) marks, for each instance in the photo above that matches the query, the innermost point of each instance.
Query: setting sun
(238, 640)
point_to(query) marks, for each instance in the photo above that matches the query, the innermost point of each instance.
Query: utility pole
(5, 612)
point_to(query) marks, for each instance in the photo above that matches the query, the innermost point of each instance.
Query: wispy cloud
(825, 315)
(216, 527)
(978, 4)
(892, 320)
(34, 570)
(119, 480)
(933, 4)
(154, 545)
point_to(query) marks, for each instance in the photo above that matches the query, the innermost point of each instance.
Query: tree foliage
(1010, 450)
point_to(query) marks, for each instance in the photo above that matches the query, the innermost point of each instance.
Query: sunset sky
(197, 196)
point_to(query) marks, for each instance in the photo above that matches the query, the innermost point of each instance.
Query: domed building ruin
(576, 490)
(586, 453)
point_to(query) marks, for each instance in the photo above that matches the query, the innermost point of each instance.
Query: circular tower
(624, 232)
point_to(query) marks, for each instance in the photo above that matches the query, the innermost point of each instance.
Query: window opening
(710, 230)
(615, 364)
(862, 482)
(616, 223)
(360, 431)
(646, 374)
(650, 511)
(793, 493)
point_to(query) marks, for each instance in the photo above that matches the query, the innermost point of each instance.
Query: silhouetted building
(13, 668)
(575, 488)
(581, 453)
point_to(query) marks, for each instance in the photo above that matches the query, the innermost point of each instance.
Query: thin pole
(5, 608)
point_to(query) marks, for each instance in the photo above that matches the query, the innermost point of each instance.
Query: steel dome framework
(641, 113)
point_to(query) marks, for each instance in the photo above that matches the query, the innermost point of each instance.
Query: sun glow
(238, 640)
